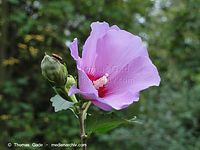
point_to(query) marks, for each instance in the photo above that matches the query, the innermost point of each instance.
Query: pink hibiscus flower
(114, 68)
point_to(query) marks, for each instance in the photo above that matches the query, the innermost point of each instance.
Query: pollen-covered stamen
(101, 81)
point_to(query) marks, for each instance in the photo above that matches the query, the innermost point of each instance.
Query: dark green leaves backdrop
(170, 114)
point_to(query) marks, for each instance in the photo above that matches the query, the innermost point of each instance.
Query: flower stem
(82, 116)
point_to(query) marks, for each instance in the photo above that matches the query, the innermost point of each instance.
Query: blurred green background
(170, 113)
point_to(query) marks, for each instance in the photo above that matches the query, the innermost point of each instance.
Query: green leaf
(101, 123)
(60, 104)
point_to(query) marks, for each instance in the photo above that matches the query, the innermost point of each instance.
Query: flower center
(101, 81)
(99, 84)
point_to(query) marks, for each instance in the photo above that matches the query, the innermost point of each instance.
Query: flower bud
(70, 81)
(54, 71)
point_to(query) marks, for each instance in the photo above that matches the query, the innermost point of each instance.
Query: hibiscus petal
(86, 88)
(75, 90)
(139, 74)
(118, 101)
(115, 27)
(89, 48)
(85, 84)
(102, 105)
(115, 50)
(74, 52)
(74, 49)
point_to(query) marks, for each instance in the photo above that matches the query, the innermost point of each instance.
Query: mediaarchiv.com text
(15, 144)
